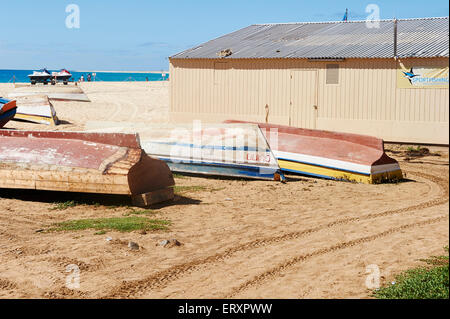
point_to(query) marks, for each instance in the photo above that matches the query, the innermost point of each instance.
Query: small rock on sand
(163, 242)
(133, 246)
(169, 243)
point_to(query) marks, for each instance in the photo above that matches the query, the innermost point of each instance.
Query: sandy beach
(110, 101)
(308, 238)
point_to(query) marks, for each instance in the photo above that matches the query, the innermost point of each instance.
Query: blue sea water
(7, 76)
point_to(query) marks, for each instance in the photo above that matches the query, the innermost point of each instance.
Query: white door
(303, 103)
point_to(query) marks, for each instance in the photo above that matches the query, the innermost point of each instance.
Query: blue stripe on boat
(3, 101)
(307, 173)
(213, 147)
(223, 169)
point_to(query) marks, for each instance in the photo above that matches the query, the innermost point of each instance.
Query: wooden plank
(158, 196)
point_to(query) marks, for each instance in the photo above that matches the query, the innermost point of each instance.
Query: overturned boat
(330, 155)
(7, 111)
(83, 162)
(58, 92)
(36, 109)
(233, 150)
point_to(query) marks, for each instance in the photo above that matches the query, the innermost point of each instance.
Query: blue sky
(141, 34)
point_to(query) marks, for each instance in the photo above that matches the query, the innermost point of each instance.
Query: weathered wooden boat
(37, 109)
(54, 92)
(83, 162)
(7, 111)
(331, 155)
(234, 150)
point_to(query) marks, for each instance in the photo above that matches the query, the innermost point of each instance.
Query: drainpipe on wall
(395, 38)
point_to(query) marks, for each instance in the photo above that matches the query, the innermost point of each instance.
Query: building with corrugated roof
(385, 78)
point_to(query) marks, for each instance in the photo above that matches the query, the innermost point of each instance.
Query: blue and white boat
(233, 150)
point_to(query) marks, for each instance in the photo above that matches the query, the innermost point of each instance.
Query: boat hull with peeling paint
(331, 155)
(83, 162)
(36, 109)
(232, 150)
(54, 92)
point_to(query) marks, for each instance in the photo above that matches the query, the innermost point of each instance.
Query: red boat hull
(328, 154)
(104, 163)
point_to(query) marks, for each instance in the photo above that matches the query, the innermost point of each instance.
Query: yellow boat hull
(332, 173)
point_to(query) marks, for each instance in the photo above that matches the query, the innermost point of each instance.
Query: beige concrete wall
(294, 92)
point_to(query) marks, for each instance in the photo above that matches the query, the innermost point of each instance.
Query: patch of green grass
(414, 149)
(64, 205)
(139, 212)
(118, 206)
(428, 282)
(188, 189)
(191, 189)
(102, 232)
(122, 224)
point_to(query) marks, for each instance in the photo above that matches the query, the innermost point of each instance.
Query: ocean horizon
(21, 76)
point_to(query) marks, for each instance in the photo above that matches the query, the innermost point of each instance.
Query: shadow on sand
(53, 197)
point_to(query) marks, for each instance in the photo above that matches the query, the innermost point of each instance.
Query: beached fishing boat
(83, 162)
(331, 155)
(7, 111)
(233, 150)
(58, 92)
(37, 109)
(41, 76)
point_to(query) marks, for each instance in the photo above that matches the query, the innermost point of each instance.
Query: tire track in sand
(163, 278)
(275, 271)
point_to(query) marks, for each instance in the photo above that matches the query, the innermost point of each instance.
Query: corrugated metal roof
(425, 37)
